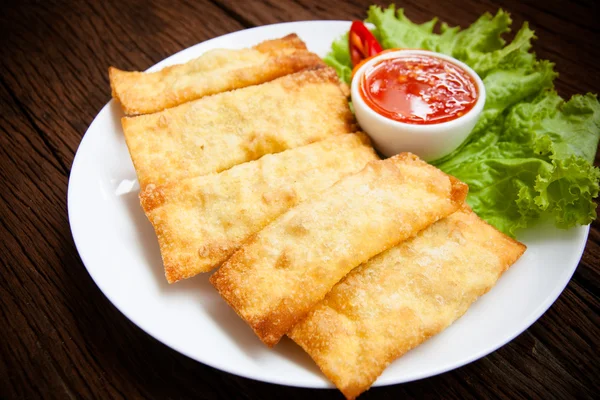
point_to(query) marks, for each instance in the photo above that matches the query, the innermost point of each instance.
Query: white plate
(118, 247)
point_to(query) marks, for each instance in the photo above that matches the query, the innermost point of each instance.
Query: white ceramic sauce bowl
(428, 141)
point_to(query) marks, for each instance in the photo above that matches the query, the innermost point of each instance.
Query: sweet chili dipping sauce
(418, 89)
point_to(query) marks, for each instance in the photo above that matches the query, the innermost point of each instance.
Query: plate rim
(382, 380)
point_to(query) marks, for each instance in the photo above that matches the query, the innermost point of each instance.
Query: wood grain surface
(60, 338)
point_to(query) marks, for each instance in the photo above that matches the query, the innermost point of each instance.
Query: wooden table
(61, 338)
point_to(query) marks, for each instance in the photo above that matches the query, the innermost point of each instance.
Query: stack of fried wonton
(250, 160)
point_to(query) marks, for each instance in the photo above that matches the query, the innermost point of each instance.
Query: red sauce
(419, 89)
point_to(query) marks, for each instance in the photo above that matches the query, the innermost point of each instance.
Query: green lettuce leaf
(395, 30)
(529, 164)
(505, 86)
(339, 58)
(530, 155)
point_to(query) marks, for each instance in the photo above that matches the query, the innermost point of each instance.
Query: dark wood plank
(62, 339)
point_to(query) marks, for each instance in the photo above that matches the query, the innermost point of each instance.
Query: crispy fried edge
(272, 327)
(275, 45)
(277, 66)
(154, 196)
(319, 74)
(353, 390)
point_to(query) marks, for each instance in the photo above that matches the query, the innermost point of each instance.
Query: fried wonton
(400, 298)
(217, 132)
(201, 221)
(213, 72)
(289, 266)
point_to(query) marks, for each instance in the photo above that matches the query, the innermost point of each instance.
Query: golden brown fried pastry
(400, 298)
(215, 71)
(217, 132)
(289, 266)
(201, 221)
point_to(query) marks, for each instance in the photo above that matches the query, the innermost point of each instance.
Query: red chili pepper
(362, 43)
